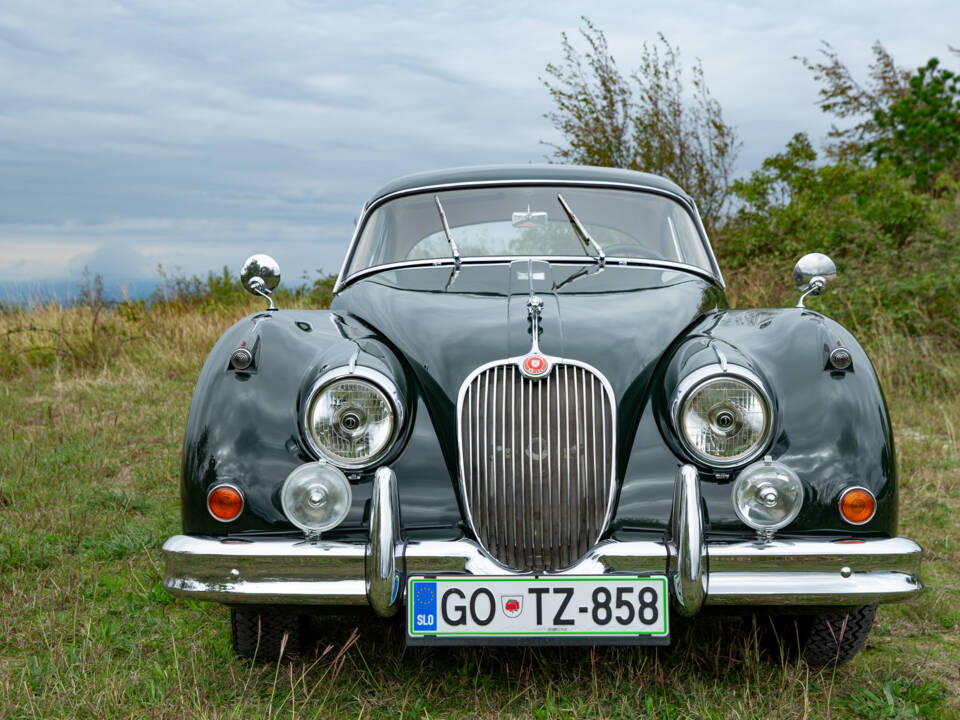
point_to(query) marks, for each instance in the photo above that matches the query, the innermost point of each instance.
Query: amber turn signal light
(225, 502)
(857, 505)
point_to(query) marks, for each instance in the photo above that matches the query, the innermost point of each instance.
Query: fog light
(858, 505)
(767, 495)
(225, 502)
(316, 497)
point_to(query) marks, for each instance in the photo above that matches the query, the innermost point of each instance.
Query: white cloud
(244, 125)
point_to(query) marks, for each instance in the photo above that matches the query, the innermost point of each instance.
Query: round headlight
(352, 418)
(767, 495)
(316, 497)
(723, 417)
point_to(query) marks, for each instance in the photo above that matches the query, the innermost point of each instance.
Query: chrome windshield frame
(342, 280)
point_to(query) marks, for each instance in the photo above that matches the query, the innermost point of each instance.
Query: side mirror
(260, 275)
(812, 273)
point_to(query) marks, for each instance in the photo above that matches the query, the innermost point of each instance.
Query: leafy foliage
(911, 118)
(895, 248)
(920, 132)
(790, 204)
(885, 207)
(843, 96)
(646, 121)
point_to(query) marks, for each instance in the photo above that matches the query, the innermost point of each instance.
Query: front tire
(827, 638)
(267, 634)
(836, 637)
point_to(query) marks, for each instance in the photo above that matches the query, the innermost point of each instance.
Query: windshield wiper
(582, 232)
(446, 231)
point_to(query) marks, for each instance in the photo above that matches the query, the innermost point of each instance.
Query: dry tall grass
(93, 404)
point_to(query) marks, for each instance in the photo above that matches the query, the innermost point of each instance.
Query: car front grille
(537, 462)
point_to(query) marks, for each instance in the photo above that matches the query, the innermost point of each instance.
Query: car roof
(508, 173)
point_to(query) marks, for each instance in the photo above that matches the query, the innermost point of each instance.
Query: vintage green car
(531, 417)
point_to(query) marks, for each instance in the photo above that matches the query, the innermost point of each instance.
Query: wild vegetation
(94, 402)
(881, 198)
(94, 398)
(645, 121)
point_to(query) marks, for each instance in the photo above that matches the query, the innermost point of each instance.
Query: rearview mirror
(529, 219)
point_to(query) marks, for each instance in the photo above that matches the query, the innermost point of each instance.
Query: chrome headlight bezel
(379, 382)
(706, 374)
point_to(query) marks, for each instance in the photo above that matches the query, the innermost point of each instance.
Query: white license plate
(613, 608)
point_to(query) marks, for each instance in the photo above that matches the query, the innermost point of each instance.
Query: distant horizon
(39, 291)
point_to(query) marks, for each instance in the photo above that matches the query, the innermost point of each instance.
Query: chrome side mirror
(812, 273)
(260, 275)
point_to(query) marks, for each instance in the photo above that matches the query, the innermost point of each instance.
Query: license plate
(613, 609)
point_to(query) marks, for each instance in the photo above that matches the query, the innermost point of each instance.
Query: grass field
(93, 407)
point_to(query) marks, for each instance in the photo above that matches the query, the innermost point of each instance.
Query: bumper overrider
(319, 572)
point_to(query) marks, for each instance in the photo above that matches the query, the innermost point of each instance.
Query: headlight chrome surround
(380, 383)
(702, 377)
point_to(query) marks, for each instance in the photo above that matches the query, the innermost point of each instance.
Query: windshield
(529, 221)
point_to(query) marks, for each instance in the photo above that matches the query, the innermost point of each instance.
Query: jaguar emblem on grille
(535, 366)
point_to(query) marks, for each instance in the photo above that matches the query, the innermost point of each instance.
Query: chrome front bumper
(779, 572)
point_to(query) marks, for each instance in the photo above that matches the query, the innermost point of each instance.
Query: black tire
(836, 637)
(827, 638)
(259, 634)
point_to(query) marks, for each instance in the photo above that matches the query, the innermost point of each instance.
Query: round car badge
(534, 365)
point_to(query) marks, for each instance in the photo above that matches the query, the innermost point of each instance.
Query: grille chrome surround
(536, 508)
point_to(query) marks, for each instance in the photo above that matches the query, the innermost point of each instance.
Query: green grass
(89, 463)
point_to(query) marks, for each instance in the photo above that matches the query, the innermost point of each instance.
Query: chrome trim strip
(376, 378)
(675, 237)
(701, 375)
(384, 582)
(690, 580)
(721, 358)
(782, 572)
(840, 504)
(507, 259)
(703, 234)
(468, 557)
(816, 588)
(685, 201)
(806, 556)
(243, 501)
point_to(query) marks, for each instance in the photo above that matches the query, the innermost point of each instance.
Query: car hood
(446, 323)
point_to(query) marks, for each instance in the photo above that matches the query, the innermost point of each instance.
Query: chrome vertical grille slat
(537, 462)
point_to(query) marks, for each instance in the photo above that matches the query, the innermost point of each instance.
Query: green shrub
(895, 248)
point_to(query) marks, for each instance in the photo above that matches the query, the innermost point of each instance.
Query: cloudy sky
(193, 134)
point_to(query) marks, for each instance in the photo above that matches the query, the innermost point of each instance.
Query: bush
(895, 248)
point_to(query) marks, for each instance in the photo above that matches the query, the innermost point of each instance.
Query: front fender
(831, 427)
(244, 425)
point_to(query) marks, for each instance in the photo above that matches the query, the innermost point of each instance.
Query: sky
(193, 134)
